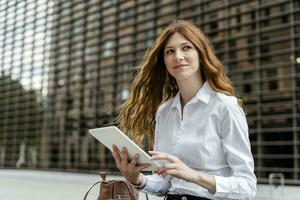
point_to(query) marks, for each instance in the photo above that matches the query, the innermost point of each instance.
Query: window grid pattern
(66, 66)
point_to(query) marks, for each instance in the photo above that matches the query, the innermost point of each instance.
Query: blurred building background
(66, 66)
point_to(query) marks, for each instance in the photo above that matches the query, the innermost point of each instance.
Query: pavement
(49, 185)
(52, 185)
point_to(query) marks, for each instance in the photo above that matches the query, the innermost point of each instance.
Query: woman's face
(181, 58)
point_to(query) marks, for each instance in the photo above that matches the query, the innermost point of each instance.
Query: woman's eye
(186, 47)
(169, 51)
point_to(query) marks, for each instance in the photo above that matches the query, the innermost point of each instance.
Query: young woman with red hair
(184, 105)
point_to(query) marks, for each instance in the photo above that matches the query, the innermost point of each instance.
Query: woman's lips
(180, 66)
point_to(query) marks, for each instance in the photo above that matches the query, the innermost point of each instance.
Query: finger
(135, 160)
(170, 166)
(124, 154)
(143, 166)
(164, 157)
(116, 151)
(164, 174)
(158, 153)
(124, 160)
(172, 172)
(161, 154)
(154, 152)
(116, 156)
(160, 170)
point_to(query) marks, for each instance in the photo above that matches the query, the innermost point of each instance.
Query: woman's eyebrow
(184, 43)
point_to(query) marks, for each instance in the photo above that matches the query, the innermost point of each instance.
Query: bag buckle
(103, 175)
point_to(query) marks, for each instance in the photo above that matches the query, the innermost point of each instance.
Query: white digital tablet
(112, 135)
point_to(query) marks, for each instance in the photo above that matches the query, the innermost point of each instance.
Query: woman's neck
(188, 89)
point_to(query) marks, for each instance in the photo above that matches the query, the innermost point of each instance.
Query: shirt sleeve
(241, 184)
(156, 184)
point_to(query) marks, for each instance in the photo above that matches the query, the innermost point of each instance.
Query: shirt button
(183, 198)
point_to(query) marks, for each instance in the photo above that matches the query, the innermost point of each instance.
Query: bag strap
(128, 188)
(127, 184)
(85, 196)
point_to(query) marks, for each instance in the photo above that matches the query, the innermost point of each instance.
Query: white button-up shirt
(210, 135)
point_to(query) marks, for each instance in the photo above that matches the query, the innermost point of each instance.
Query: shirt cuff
(222, 184)
(143, 183)
(156, 185)
(148, 186)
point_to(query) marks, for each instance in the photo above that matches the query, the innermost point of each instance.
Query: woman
(200, 127)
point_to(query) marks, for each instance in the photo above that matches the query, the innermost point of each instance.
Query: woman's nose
(179, 55)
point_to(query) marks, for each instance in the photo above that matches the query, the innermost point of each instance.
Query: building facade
(66, 66)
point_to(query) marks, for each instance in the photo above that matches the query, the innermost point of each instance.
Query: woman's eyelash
(187, 47)
(169, 51)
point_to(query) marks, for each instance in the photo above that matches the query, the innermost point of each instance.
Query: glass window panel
(93, 61)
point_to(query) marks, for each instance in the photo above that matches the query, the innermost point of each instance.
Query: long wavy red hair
(154, 85)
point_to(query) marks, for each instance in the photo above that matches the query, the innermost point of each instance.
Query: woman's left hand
(178, 169)
(175, 167)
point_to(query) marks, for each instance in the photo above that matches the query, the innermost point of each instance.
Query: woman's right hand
(130, 170)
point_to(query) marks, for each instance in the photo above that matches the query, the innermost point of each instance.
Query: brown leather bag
(114, 189)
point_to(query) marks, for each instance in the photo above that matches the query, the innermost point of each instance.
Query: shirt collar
(176, 102)
(203, 95)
